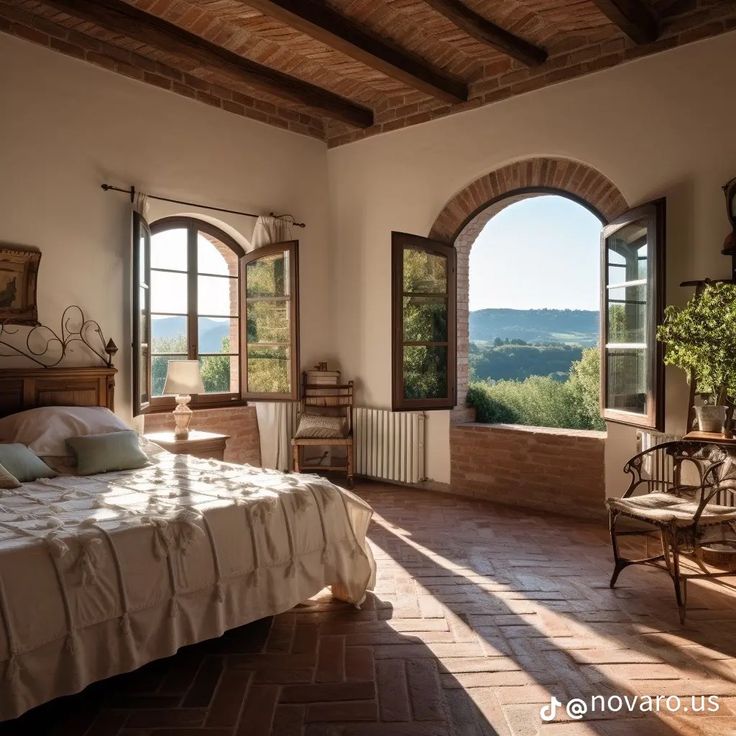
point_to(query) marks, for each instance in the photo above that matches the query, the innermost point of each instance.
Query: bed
(100, 574)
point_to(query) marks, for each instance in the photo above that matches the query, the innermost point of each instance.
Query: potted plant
(700, 338)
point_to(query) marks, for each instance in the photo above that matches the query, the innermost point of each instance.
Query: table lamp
(183, 379)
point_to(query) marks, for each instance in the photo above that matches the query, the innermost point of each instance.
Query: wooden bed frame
(28, 388)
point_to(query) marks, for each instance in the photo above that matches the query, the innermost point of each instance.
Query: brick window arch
(466, 214)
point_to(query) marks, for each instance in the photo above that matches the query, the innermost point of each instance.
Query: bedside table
(199, 444)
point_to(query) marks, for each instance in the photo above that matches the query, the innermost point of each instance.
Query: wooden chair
(689, 519)
(332, 401)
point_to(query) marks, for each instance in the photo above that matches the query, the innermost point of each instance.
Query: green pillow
(7, 480)
(103, 453)
(19, 461)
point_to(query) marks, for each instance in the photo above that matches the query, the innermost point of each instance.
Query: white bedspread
(101, 574)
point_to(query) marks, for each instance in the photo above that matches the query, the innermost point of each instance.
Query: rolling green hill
(569, 326)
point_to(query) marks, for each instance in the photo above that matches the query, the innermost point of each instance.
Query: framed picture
(18, 277)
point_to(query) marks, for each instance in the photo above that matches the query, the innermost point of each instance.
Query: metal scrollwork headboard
(48, 348)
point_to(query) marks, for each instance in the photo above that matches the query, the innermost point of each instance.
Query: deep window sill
(530, 430)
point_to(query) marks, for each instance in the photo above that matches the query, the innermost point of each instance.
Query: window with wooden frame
(632, 304)
(271, 288)
(186, 304)
(423, 323)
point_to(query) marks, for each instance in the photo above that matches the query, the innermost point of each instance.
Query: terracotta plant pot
(711, 418)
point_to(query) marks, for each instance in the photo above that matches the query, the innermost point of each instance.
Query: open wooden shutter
(271, 305)
(141, 247)
(632, 304)
(424, 323)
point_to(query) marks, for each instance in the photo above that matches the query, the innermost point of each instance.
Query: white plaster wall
(660, 126)
(67, 126)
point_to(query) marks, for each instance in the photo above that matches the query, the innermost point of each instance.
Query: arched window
(187, 297)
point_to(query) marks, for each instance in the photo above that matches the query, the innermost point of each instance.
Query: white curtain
(270, 229)
(141, 205)
(273, 426)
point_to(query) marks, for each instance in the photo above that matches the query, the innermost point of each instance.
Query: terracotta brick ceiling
(348, 94)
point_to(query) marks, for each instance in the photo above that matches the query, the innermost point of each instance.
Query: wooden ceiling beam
(634, 17)
(321, 22)
(119, 17)
(484, 30)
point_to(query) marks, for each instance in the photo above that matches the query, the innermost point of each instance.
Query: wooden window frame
(141, 394)
(200, 401)
(292, 246)
(655, 213)
(399, 242)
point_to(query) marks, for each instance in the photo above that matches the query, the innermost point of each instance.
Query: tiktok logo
(548, 712)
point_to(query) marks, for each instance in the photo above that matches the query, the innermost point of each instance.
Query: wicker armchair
(690, 518)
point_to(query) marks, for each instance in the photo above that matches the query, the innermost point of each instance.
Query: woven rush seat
(670, 509)
(677, 512)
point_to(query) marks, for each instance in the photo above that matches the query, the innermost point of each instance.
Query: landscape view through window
(534, 316)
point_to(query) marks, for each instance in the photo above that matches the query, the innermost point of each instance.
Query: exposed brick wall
(547, 469)
(582, 47)
(19, 18)
(577, 36)
(565, 175)
(240, 422)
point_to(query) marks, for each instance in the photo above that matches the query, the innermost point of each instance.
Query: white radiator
(389, 445)
(657, 465)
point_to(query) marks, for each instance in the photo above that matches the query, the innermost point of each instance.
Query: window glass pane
(425, 319)
(627, 314)
(424, 272)
(168, 292)
(268, 276)
(218, 335)
(217, 295)
(627, 380)
(143, 373)
(168, 334)
(213, 256)
(268, 322)
(143, 325)
(159, 366)
(425, 372)
(268, 369)
(219, 373)
(142, 259)
(169, 249)
(627, 253)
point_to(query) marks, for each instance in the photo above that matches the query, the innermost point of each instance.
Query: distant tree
(215, 370)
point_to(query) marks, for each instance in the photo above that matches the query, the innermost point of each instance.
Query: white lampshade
(183, 377)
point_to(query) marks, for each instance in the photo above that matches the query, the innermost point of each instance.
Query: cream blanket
(101, 574)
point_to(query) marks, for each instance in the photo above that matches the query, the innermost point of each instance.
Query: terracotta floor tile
(479, 613)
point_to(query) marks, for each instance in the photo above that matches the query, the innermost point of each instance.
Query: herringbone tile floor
(480, 615)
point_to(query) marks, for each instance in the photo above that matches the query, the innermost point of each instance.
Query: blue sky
(540, 252)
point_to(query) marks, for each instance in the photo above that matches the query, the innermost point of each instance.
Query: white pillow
(46, 429)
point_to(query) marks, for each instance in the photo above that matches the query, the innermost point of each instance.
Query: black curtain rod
(132, 193)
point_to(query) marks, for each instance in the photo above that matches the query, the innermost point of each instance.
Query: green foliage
(425, 372)
(701, 338)
(425, 320)
(215, 369)
(585, 387)
(517, 360)
(268, 370)
(268, 328)
(175, 349)
(541, 401)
